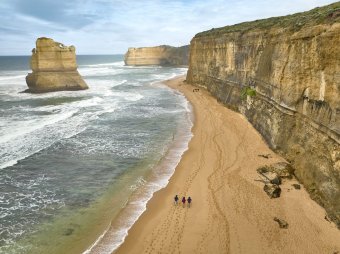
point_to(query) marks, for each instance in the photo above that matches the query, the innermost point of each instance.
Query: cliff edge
(54, 68)
(283, 74)
(160, 55)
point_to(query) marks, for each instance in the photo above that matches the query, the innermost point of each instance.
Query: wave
(28, 126)
(117, 64)
(99, 72)
(128, 96)
(28, 137)
(6, 78)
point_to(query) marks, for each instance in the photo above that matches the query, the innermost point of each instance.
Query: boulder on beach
(281, 169)
(282, 223)
(272, 190)
(54, 68)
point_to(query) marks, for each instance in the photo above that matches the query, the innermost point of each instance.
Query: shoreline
(230, 212)
(115, 232)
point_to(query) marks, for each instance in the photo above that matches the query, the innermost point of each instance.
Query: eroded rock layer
(293, 64)
(54, 68)
(160, 55)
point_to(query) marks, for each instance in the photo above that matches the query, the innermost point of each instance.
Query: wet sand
(230, 212)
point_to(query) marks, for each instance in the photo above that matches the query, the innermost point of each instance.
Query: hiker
(183, 201)
(176, 200)
(189, 201)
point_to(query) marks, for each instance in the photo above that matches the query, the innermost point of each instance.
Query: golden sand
(230, 212)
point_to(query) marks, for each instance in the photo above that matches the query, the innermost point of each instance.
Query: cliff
(54, 68)
(160, 55)
(288, 71)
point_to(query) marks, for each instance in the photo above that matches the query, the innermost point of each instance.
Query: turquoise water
(71, 161)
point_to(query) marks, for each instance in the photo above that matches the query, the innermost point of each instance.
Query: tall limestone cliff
(293, 64)
(160, 55)
(54, 68)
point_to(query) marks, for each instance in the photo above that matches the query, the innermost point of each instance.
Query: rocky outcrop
(160, 55)
(54, 68)
(288, 71)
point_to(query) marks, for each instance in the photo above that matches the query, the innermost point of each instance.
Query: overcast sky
(111, 26)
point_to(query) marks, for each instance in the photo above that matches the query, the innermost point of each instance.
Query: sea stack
(54, 68)
(160, 55)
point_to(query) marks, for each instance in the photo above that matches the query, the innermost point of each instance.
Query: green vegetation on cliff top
(322, 15)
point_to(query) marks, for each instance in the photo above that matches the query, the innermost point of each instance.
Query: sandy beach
(230, 212)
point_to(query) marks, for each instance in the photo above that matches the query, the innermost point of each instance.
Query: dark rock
(272, 177)
(263, 170)
(275, 180)
(282, 223)
(327, 218)
(68, 231)
(283, 169)
(272, 190)
(266, 156)
(296, 186)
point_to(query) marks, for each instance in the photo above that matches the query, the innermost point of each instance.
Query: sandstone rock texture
(54, 68)
(160, 55)
(293, 64)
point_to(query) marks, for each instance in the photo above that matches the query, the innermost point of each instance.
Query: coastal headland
(287, 69)
(163, 55)
(230, 212)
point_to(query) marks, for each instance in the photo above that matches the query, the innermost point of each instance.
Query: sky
(112, 26)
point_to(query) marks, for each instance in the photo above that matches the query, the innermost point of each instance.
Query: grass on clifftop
(321, 15)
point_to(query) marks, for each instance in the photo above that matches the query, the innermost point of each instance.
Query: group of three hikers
(183, 200)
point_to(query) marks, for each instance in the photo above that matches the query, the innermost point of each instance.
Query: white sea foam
(128, 96)
(20, 128)
(27, 137)
(117, 64)
(15, 128)
(7, 78)
(96, 72)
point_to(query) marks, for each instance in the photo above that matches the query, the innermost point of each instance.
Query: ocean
(77, 167)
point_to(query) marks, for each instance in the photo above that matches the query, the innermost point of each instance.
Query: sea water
(77, 167)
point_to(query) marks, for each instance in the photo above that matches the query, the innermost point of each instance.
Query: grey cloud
(64, 13)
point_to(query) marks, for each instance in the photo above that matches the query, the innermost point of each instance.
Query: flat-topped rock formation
(54, 68)
(160, 55)
(288, 71)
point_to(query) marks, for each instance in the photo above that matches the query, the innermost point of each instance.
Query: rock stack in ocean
(54, 68)
(291, 67)
(160, 55)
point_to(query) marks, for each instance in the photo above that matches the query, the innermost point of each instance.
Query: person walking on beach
(189, 201)
(183, 201)
(176, 199)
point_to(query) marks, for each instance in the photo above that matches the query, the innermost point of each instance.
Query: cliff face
(54, 68)
(293, 64)
(160, 55)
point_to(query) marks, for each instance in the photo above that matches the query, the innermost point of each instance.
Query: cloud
(61, 13)
(111, 26)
